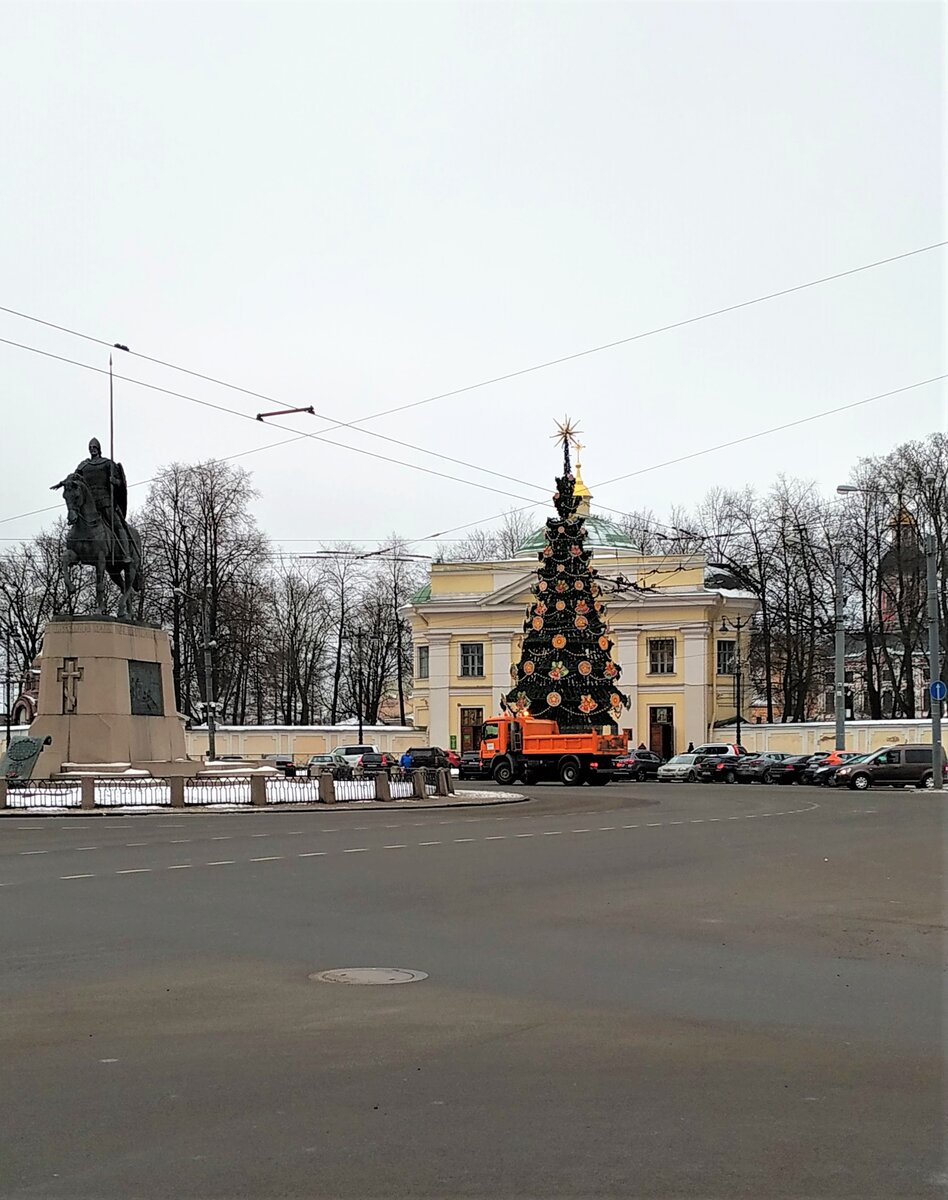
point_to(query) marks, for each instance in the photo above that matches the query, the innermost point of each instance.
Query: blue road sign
(938, 689)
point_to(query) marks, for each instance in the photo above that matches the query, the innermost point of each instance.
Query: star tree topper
(566, 433)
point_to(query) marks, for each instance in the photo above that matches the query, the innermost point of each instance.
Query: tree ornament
(580, 622)
(579, 585)
(537, 623)
(587, 704)
(529, 667)
(610, 670)
(558, 671)
(582, 606)
(542, 585)
(559, 641)
(560, 605)
(553, 699)
(575, 551)
(562, 585)
(585, 667)
(604, 643)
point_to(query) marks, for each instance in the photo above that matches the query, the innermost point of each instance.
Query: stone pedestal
(106, 695)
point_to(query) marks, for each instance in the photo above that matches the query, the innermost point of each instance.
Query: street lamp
(935, 684)
(207, 646)
(735, 627)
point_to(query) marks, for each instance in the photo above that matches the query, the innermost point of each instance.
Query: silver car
(682, 769)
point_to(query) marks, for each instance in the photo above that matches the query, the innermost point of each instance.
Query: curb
(271, 809)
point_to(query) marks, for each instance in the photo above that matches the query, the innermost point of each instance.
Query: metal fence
(44, 793)
(355, 789)
(431, 780)
(217, 789)
(402, 789)
(141, 792)
(292, 790)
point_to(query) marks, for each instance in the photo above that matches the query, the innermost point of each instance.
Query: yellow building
(677, 664)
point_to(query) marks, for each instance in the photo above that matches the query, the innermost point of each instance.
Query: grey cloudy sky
(357, 206)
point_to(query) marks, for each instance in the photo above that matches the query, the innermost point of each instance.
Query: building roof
(601, 534)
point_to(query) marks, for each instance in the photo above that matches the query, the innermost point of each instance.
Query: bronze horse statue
(90, 541)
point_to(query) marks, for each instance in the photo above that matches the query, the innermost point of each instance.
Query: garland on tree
(566, 672)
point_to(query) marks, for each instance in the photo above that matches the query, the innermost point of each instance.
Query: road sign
(938, 689)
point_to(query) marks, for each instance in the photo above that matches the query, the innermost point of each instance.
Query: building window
(422, 662)
(727, 658)
(661, 656)
(472, 658)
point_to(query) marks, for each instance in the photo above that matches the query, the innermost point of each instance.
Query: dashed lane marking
(222, 862)
(180, 867)
(77, 877)
(429, 843)
(356, 850)
(312, 854)
(465, 839)
(396, 846)
(135, 871)
(34, 852)
(268, 858)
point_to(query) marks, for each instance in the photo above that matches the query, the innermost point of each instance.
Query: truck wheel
(503, 771)
(571, 773)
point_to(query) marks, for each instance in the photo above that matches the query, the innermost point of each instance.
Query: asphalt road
(633, 991)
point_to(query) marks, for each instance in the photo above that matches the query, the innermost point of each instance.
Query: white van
(352, 754)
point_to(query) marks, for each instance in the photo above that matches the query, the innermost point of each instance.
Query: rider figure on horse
(106, 481)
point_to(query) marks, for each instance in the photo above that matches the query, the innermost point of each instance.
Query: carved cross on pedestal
(69, 675)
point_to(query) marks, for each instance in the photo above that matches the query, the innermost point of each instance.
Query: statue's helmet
(94, 447)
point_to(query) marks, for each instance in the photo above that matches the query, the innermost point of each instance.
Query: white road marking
(87, 848)
(34, 852)
(519, 835)
(77, 877)
(179, 841)
(136, 843)
(268, 858)
(223, 862)
(356, 850)
(397, 846)
(605, 828)
(680, 822)
(180, 867)
(312, 854)
(134, 871)
(429, 843)
(650, 825)
(552, 832)
(222, 837)
(698, 821)
(260, 835)
(496, 837)
(464, 839)
(580, 831)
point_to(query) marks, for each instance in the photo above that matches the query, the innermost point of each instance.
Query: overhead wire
(519, 373)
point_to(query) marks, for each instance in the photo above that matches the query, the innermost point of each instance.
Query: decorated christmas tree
(566, 672)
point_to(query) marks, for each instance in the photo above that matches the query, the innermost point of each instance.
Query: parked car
(717, 768)
(683, 768)
(428, 756)
(638, 765)
(824, 773)
(898, 766)
(339, 768)
(377, 764)
(282, 762)
(831, 758)
(790, 770)
(352, 754)
(471, 767)
(729, 748)
(454, 759)
(758, 768)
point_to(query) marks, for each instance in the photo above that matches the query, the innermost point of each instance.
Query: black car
(759, 768)
(376, 764)
(638, 765)
(818, 761)
(790, 769)
(428, 756)
(824, 774)
(717, 768)
(471, 766)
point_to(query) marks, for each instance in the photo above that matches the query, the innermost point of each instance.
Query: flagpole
(111, 459)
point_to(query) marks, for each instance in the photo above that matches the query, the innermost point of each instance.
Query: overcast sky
(358, 206)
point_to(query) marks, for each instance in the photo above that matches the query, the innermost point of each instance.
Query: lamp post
(934, 637)
(735, 627)
(207, 646)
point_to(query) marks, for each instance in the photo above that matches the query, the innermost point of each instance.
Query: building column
(439, 687)
(627, 656)
(695, 689)
(500, 660)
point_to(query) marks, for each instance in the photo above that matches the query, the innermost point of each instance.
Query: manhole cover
(369, 975)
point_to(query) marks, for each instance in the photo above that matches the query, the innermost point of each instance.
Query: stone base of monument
(106, 700)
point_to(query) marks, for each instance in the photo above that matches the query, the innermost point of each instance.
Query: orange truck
(530, 750)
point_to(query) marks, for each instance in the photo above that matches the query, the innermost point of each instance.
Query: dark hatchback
(791, 769)
(377, 764)
(759, 768)
(638, 765)
(471, 766)
(717, 768)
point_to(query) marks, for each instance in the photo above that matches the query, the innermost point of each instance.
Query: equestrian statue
(98, 534)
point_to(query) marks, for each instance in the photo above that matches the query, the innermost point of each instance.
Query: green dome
(600, 535)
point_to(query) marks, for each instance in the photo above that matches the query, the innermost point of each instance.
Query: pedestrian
(405, 761)
(691, 748)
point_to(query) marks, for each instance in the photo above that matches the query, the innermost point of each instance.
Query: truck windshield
(489, 730)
